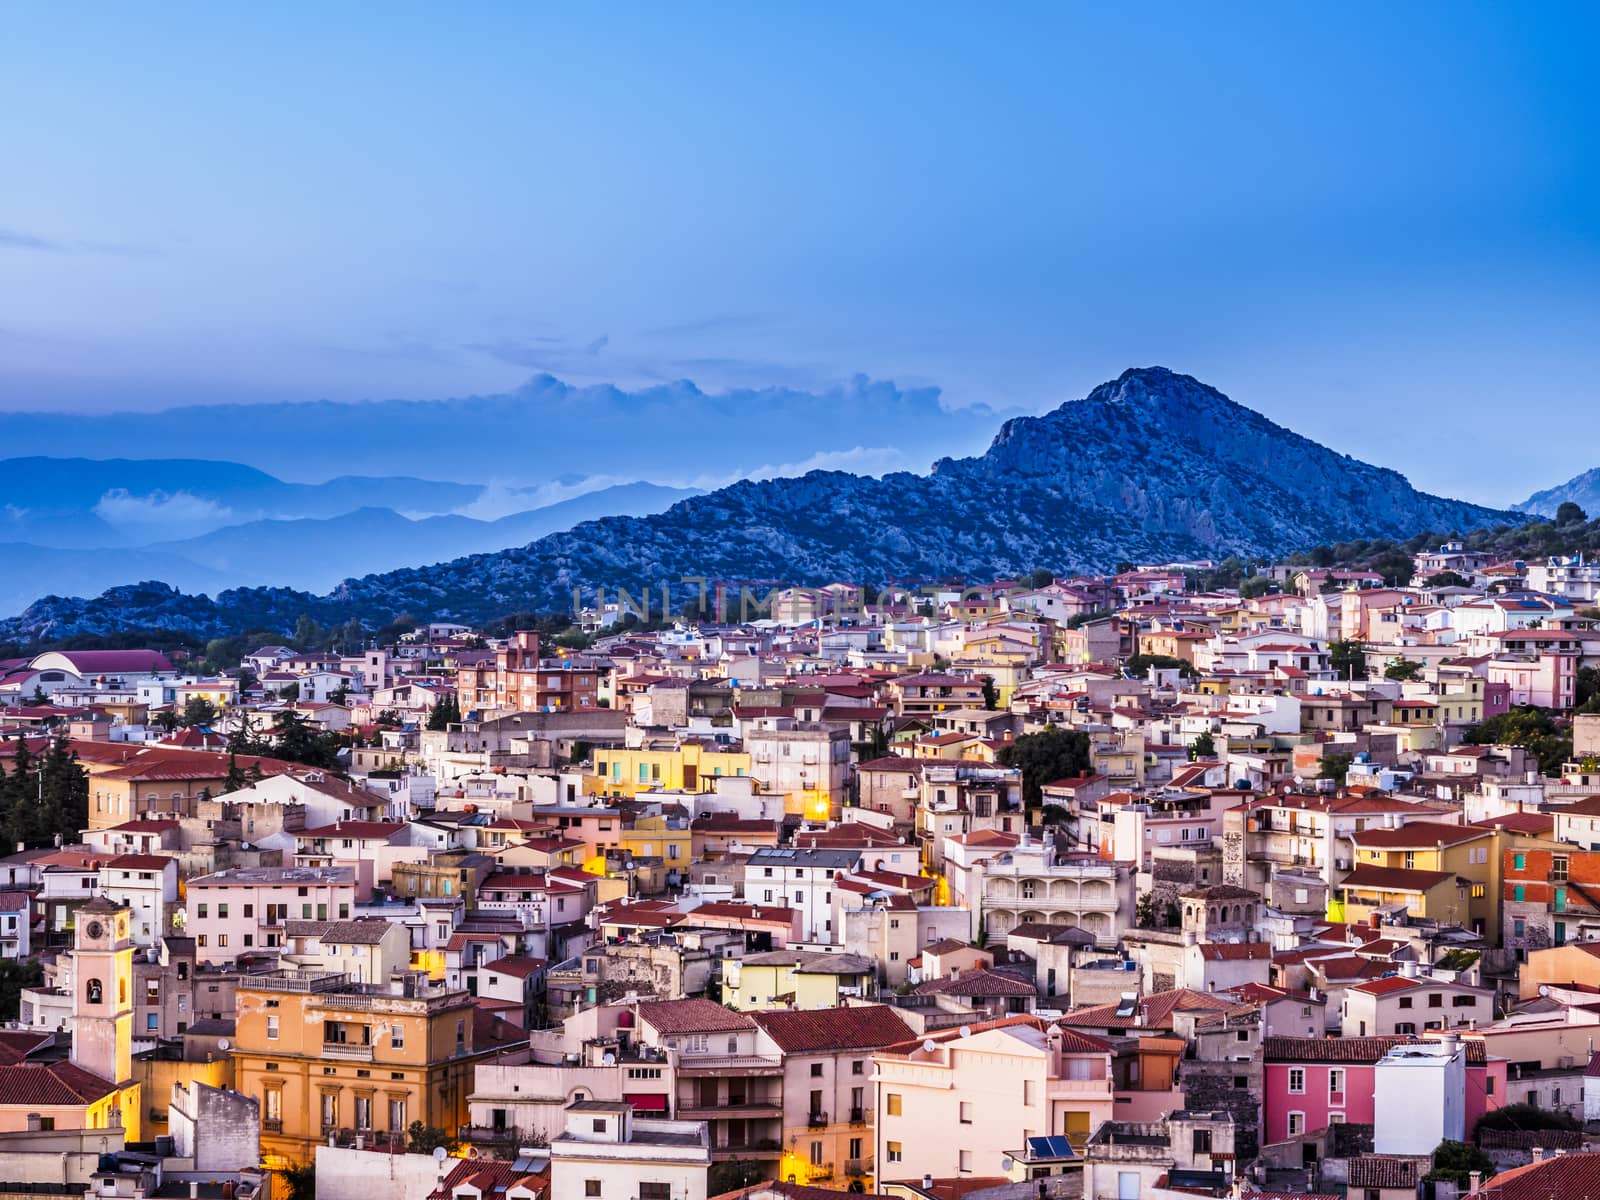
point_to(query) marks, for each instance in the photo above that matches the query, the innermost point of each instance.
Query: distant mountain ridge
(1582, 490)
(1153, 465)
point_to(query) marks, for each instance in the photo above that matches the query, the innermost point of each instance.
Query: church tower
(102, 969)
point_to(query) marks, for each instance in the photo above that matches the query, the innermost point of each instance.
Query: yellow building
(660, 835)
(96, 1088)
(690, 767)
(795, 979)
(325, 1055)
(1431, 895)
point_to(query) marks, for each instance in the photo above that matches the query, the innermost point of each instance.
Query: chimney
(194, 1189)
(1538, 1154)
(1474, 1181)
(927, 1181)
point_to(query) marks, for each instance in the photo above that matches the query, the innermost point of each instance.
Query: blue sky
(1377, 224)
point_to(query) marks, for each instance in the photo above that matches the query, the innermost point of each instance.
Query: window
(150, 1020)
(858, 1067)
(894, 1151)
(1202, 1141)
(1435, 1000)
(891, 1104)
(1297, 1081)
(1336, 1081)
(1297, 1124)
(966, 1112)
(816, 1154)
(222, 912)
(1405, 1001)
(397, 1115)
(397, 1036)
(200, 911)
(816, 1070)
(1519, 892)
(964, 1161)
(1558, 867)
(272, 1027)
(1519, 862)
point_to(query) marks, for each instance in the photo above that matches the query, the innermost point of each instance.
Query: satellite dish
(222, 1043)
(438, 1154)
(1005, 1162)
(929, 1045)
(966, 1031)
(610, 1059)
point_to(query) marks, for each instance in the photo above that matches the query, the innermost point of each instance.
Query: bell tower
(102, 969)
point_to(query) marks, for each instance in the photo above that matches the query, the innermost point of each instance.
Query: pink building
(1311, 1083)
(246, 909)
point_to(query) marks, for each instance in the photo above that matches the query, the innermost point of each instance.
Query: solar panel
(1053, 1146)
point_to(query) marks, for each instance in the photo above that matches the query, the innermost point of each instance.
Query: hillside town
(1125, 887)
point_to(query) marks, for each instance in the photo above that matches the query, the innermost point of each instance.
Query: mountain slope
(1582, 490)
(1154, 465)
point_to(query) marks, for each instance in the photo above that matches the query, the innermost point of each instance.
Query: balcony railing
(858, 1116)
(816, 1120)
(352, 1051)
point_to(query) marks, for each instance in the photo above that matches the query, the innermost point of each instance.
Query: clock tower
(102, 971)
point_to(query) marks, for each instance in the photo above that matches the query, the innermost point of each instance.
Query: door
(1127, 1185)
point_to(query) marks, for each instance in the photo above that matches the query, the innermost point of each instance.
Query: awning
(646, 1102)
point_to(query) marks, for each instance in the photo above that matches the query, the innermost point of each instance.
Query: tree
(389, 718)
(199, 711)
(1335, 766)
(1045, 757)
(1256, 585)
(1457, 1162)
(294, 739)
(1534, 729)
(16, 974)
(339, 694)
(1349, 659)
(1447, 579)
(1587, 698)
(425, 1139)
(166, 719)
(1144, 911)
(1139, 664)
(446, 712)
(1403, 670)
(1037, 579)
(1524, 1116)
(301, 1181)
(732, 1175)
(1568, 513)
(991, 694)
(290, 692)
(1204, 746)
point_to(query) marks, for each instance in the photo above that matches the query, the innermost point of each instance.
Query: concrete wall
(347, 1174)
(220, 1130)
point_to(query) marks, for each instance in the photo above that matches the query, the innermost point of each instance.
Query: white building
(1420, 1096)
(148, 885)
(609, 1153)
(803, 880)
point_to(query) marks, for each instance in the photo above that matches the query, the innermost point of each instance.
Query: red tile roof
(693, 1015)
(58, 1083)
(1567, 1175)
(825, 1029)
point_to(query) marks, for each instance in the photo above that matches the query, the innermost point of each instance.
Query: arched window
(122, 991)
(94, 992)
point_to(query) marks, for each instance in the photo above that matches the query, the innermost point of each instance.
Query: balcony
(857, 1167)
(347, 1051)
(756, 1148)
(1079, 1089)
(753, 1110)
(272, 1125)
(729, 1065)
(860, 1116)
(816, 1120)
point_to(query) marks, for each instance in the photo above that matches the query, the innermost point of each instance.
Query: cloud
(176, 511)
(500, 498)
(599, 344)
(720, 323)
(15, 239)
(18, 239)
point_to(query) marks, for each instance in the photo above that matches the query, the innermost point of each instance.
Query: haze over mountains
(78, 526)
(1153, 465)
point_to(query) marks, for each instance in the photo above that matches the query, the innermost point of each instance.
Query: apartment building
(242, 909)
(325, 1055)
